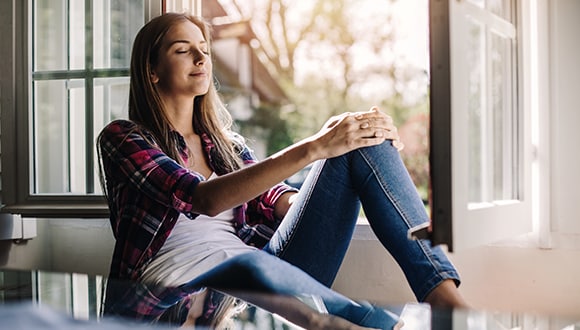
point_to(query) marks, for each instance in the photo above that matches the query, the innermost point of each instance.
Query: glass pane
(53, 33)
(54, 290)
(502, 109)
(476, 116)
(479, 3)
(111, 98)
(502, 8)
(77, 35)
(116, 23)
(59, 136)
(50, 35)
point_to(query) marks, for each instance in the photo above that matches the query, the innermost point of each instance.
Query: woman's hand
(350, 131)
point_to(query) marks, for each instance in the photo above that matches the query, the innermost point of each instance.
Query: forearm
(340, 135)
(247, 183)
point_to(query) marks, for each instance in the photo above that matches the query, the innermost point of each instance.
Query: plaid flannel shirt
(147, 190)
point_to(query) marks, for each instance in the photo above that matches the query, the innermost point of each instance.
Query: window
(71, 77)
(480, 128)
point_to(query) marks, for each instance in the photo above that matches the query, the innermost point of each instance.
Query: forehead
(185, 31)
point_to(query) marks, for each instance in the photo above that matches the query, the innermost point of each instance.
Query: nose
(199, 57)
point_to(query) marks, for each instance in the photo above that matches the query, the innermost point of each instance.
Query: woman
(190, 206)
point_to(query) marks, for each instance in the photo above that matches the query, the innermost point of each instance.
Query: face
(184, 66)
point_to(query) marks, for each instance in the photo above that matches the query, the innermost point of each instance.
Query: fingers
(398, 144)
(379, 125)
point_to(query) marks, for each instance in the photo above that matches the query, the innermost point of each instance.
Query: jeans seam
(384, 187)
(300, 215)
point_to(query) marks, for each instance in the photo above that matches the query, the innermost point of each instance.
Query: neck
(180, 115)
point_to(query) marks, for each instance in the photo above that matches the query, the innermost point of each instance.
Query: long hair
(146, 106)
(219, 311)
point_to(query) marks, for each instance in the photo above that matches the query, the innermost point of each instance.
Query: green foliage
(275, 130)
(317, 62)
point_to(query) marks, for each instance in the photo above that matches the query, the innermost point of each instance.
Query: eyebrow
(203, 42)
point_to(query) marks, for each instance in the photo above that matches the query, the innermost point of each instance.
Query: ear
(154, 77)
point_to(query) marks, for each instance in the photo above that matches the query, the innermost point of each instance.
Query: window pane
(116, 23)
(502, 8)
(54, 32)
(479, 3)
(77, 35)
(59, 135)
(475, 110)
(502, 108)
(53, 289)
(111, 97)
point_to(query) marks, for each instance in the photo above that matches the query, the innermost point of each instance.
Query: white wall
(565, 111)
(67, 245)
(496, 278)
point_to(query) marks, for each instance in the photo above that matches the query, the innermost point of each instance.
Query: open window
(480, 150)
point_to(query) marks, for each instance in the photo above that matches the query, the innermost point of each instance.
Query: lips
(199, 74)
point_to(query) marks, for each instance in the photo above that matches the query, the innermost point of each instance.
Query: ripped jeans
(305, 253)
(317, 230)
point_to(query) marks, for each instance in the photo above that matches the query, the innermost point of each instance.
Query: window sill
(88, 210)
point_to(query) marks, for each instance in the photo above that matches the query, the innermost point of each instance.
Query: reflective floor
(47, 300)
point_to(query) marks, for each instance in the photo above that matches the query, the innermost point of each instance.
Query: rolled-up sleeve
(129, 157)
(261, 209)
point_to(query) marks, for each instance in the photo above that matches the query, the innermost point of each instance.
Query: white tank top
(194, 247)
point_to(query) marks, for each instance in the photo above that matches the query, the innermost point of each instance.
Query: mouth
(199, 74)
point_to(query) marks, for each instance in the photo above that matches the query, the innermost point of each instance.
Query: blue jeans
(317, 229)
(305, 253)
(261, 272)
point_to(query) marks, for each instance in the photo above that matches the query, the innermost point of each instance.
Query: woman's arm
(338, 136)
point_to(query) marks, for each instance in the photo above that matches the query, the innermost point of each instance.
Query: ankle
(446, 295)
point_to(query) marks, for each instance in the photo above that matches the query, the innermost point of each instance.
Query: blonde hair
(219, 311)
(146, 106)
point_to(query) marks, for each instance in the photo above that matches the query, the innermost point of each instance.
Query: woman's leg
(257, 274)
(316, 231)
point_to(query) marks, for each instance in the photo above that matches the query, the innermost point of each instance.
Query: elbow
(208, 201)
(212, 211)
(208, 207)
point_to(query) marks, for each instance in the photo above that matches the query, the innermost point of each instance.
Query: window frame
(16, 127)
(453, 223)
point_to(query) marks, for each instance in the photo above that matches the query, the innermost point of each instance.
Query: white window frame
(455, 223)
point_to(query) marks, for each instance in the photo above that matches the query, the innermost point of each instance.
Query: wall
(68, 245)
(565, 85)
(498, 278)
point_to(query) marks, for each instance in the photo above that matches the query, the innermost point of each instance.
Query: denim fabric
(262, 272)
(257, 272)
(314, 236)
(317, 230)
